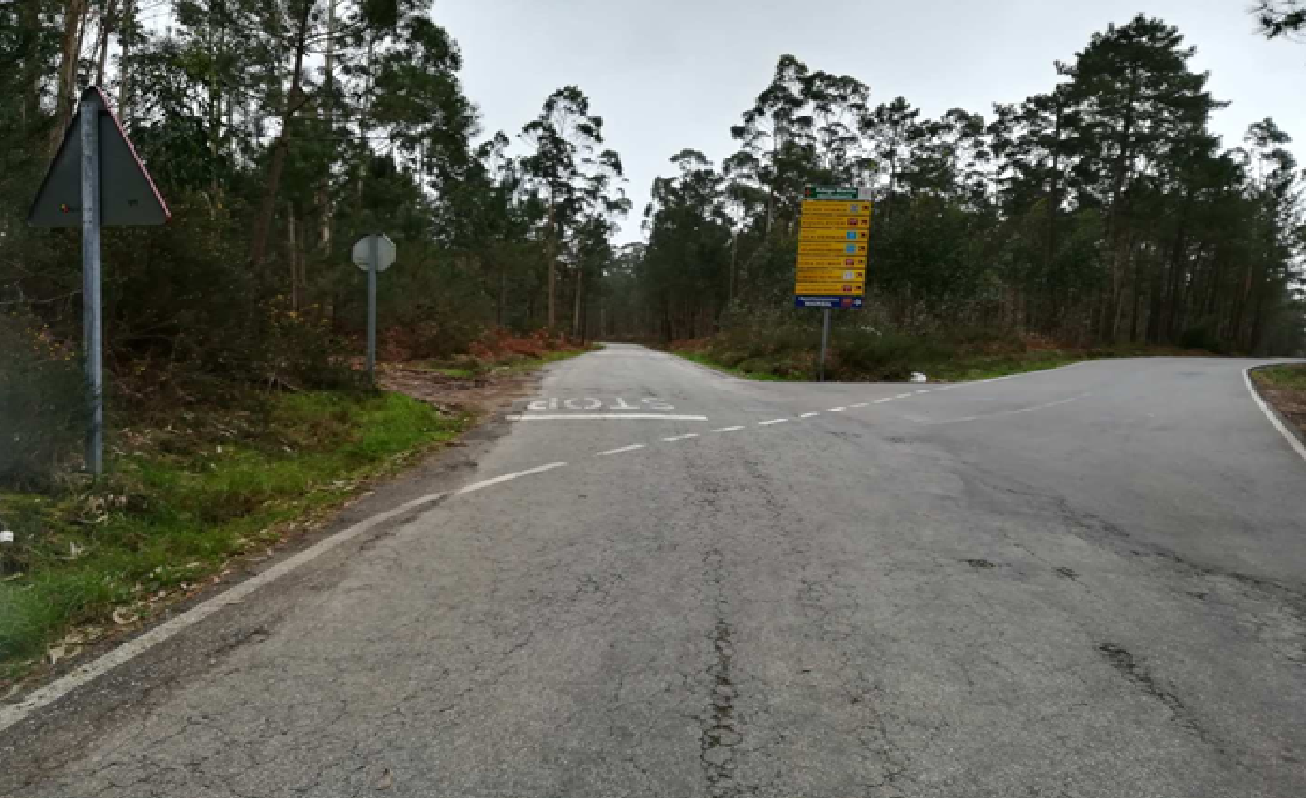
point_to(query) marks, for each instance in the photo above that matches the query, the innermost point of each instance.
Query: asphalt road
(1080, 582)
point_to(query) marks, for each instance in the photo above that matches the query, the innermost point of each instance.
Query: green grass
(185, 493)
(762, 373)
(1283, 377)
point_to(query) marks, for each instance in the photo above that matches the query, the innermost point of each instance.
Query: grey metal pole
(372, 308)
(825, 335)
(91, 343)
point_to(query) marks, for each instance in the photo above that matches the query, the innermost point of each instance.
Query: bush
(43, 404)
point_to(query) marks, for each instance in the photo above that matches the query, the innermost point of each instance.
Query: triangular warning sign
(127, 194)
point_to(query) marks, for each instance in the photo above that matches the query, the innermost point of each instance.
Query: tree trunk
(576, 302)
(69, 51)
(294, 100)
(102, 48)
(551, 254)
(328, 102)
(1120, 170)
(124, 53)
(290, 257)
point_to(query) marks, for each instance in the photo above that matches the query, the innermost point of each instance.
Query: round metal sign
(385, 252)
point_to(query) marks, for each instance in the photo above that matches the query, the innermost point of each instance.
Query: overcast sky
(669, 74)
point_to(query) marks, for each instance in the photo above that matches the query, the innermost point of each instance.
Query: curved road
(1079, 582)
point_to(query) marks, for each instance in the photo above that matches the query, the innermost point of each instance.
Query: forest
(1101, 213)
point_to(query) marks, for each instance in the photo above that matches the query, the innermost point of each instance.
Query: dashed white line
(730, 429)
(904, 395)
(886, 399)
(630, 448)
(924, 390)
(589, 416)
(810, 414)
(773, 421)
(836, 409)
(682, 437)
(859, 404)
(485, 483)
(999, 413)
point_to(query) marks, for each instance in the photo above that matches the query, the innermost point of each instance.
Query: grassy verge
(186, 491)
(892, 358)
(1289, 378)
(757, 371)
(1285, 388)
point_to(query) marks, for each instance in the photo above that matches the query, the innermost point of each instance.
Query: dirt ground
(493, 392)
(1290, 403)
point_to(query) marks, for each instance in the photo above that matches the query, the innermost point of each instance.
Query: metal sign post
(90, 137)
(374, 253)
(825, 336)
(95, 154)
(372, 308)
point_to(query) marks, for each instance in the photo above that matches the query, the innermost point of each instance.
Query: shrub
(43, 403)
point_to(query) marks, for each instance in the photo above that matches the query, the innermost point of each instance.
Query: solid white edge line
(630, 448)
(730, 429)
(773, 421)
(586, 416)
(11, 714)
(1269, 413)
(809, 414)
(682, 437)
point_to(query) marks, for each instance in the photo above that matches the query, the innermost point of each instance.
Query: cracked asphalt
(1080, 582)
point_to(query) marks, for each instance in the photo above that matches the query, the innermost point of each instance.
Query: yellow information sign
(836, 222)
(834, 242)
(832, 234)
(813, 208)
(831, 249)
(832, 261)
(831, 289)
(830, 275)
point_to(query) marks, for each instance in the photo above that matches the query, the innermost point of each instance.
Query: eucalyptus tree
(576, 179)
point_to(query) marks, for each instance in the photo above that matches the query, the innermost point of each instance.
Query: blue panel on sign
(852, 235)
(828, 302)
(851, 249)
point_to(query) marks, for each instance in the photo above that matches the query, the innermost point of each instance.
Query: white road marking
(630, 448)
(809, 414)
(836, 409)
(1270, 414)
(773, 421)
(682, 437)
(904, 395)
(924, 390)
(485, 483)
(859, 404)
(886, 399)
(1011, 412)
(591, 416)
(729, 429)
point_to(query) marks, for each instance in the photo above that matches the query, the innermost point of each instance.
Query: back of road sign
(127, 195)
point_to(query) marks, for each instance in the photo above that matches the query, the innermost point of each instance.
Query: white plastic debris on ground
(917, 376)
